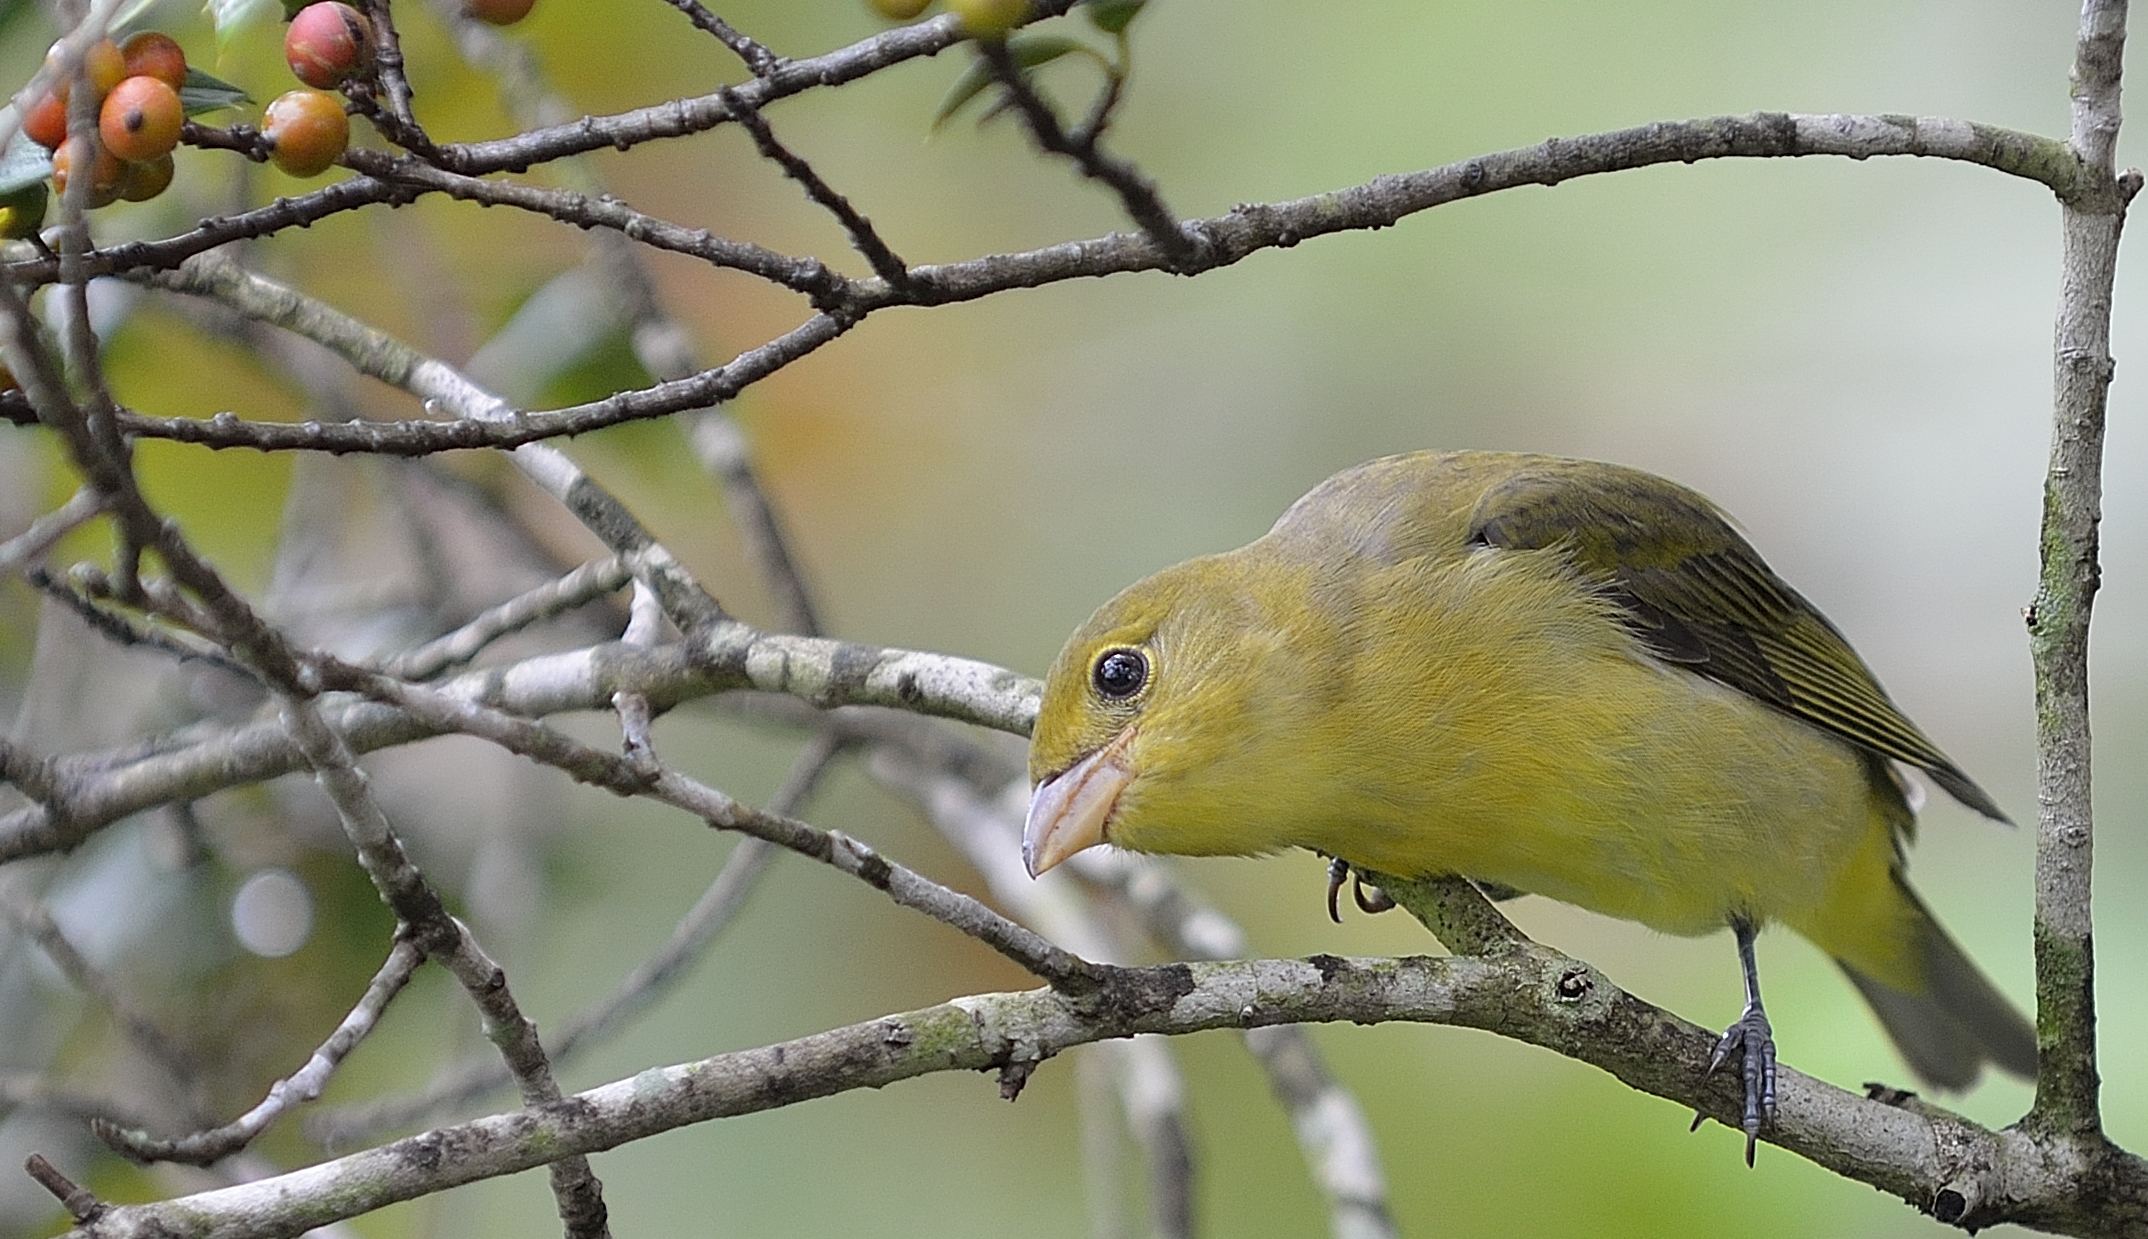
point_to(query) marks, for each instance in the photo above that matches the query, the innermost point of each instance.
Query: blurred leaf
(22, 211)
(235, 17)
(203, 93)
(1029, 52)
(1113, 16)
(23, 163)
(127, 16)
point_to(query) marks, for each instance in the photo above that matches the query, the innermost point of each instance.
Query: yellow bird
(1556, 676)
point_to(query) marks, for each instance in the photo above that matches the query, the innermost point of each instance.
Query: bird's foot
(1369, 899)
(1753, 1041)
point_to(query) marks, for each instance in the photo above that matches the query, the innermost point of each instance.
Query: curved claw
(1369, 899)
(1372, 904)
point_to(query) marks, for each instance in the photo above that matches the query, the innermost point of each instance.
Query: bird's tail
(1956, 1020)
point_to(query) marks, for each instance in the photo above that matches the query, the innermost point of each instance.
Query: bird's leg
(1751, 1035)
(1338, 869)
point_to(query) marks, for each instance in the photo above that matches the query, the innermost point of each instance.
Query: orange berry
(152, 53)
(307, 130)
(46, 121)
(107, 173)
(140, 119)
(102, 62)
(105, 65)
(327, 44)
(899, 10)
(498, 12)
(143, 181)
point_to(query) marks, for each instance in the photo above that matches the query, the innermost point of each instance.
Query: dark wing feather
(1698, 596)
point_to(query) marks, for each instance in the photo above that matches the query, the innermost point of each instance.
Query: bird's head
(1139, 739)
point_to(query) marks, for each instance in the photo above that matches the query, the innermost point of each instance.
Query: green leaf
(234, 18)
(23, 163)
(1113, 16)
(203, 93)
(1029, 51)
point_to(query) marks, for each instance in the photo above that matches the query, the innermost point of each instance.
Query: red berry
(498, 12)
(143, 181)
(140, 119)
(154, 54)
(327, 44)
(900, 10)
(46, 121)
(307, 131)
(106, 171)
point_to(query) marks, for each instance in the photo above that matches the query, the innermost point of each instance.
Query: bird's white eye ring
(1120, 673)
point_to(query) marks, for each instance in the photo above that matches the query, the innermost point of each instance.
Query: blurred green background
(1853, 358)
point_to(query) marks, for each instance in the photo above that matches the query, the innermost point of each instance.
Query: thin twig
(720, 442)
(583, 585)
(1333, 1133)
(46, 530)
(400, 124)
(616, 774)
(712, 912)
(32, 1090)
(123, 631)
(1332, 1130)
(758, 59)
(96, 789)
(80, 1203)
(447, 941)
(884, 261)
(1224, 240)
(1136, 192)
(1150, 1086)
(826, 288)
(204, 1147)
(380, 355)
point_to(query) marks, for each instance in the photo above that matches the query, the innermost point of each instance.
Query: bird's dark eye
(1120, 673)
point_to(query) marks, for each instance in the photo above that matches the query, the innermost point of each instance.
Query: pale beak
(1072, 809)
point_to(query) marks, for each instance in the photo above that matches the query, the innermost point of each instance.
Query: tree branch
(1223, 240)
(304, 1085)
(2066, 1083)
(1920, 1154)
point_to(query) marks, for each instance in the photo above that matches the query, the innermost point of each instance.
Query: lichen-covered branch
(2066, 1085)
(1919, 1153)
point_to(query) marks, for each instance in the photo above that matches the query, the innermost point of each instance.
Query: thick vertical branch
(2058, 621)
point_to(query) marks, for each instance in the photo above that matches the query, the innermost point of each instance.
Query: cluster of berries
(140, 111)
(138, 120)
